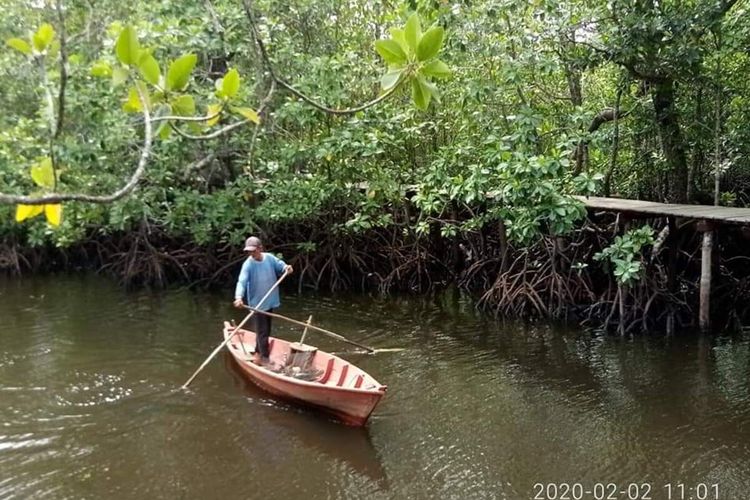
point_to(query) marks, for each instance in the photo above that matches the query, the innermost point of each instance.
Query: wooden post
(673, 248)
(704, 316)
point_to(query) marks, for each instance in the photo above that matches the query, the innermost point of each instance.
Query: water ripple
(89, 378)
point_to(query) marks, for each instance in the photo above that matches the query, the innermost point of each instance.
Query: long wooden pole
(704, 315)
(321, 330)
(220, 346)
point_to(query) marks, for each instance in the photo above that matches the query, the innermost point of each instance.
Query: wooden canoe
(340, 388)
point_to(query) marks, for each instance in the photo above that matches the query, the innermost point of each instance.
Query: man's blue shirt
(256, 278)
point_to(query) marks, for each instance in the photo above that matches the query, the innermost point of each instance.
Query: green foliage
(410, 56)
(183, 105)
(149, 69)
(430, 44)
(178, 75)
(391, 52)
(230, 85)
(43, 174)
(501, 146)
(127, 48)
(20, 45)
(625, 254)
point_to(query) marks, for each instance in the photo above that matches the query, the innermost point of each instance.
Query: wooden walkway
(707, 217)
(703, 212)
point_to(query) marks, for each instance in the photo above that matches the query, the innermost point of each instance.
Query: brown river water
(476, 408)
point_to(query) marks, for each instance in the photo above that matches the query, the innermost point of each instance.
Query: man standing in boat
(259, 273)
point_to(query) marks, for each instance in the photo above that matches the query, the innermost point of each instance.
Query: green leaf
(248, 113)
(101, 69)
(150, 69)
(24, 212)
(230, 84)
(436, 69)
(430, 44)
(184, 105)
(413, 32)
(179, 71)
(212, 110)
(43, 174)
(390, 51)
(20, 45)
(119, 76)
(127, 48)
(390, 79)
(397, 35)
(420, 94)
(43, 36)
(165, 132)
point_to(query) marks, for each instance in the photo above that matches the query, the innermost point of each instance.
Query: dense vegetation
(457, 172)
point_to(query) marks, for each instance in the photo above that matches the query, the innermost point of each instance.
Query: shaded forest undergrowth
(555, 278)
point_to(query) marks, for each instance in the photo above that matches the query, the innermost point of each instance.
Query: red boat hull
(343, 390)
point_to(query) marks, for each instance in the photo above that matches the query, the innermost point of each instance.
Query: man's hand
(238, 304)
(289, 269)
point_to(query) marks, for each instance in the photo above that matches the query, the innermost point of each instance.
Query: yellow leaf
(24, 212)
(213, 109)
(133, 103)
(43, 174)
(53, 214)
(249, 113)
(43, 36)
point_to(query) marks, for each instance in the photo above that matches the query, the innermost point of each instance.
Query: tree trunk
(698, 159)
(615, 145)
(672, 141)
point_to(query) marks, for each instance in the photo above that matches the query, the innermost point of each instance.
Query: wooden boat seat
(327, 373)
(342, 377)
(356, 381)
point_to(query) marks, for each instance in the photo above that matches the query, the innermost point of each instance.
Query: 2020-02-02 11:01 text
(630, 491)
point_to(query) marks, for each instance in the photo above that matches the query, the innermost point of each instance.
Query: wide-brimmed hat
(252, 243)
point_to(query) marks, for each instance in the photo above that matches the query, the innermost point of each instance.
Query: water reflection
(292, 425)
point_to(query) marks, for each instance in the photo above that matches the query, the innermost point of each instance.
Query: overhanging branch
(212, 135)
(120, 193)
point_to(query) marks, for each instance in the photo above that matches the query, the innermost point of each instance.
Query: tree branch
(48, 97)
(63, 70)
(10, 199)
(214, 17)
(212, 135)
(266, 100)
(281, 82)
(608, 115)
(187, 118)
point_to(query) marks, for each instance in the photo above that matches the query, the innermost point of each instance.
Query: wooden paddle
(370, 350)
(253, 311)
